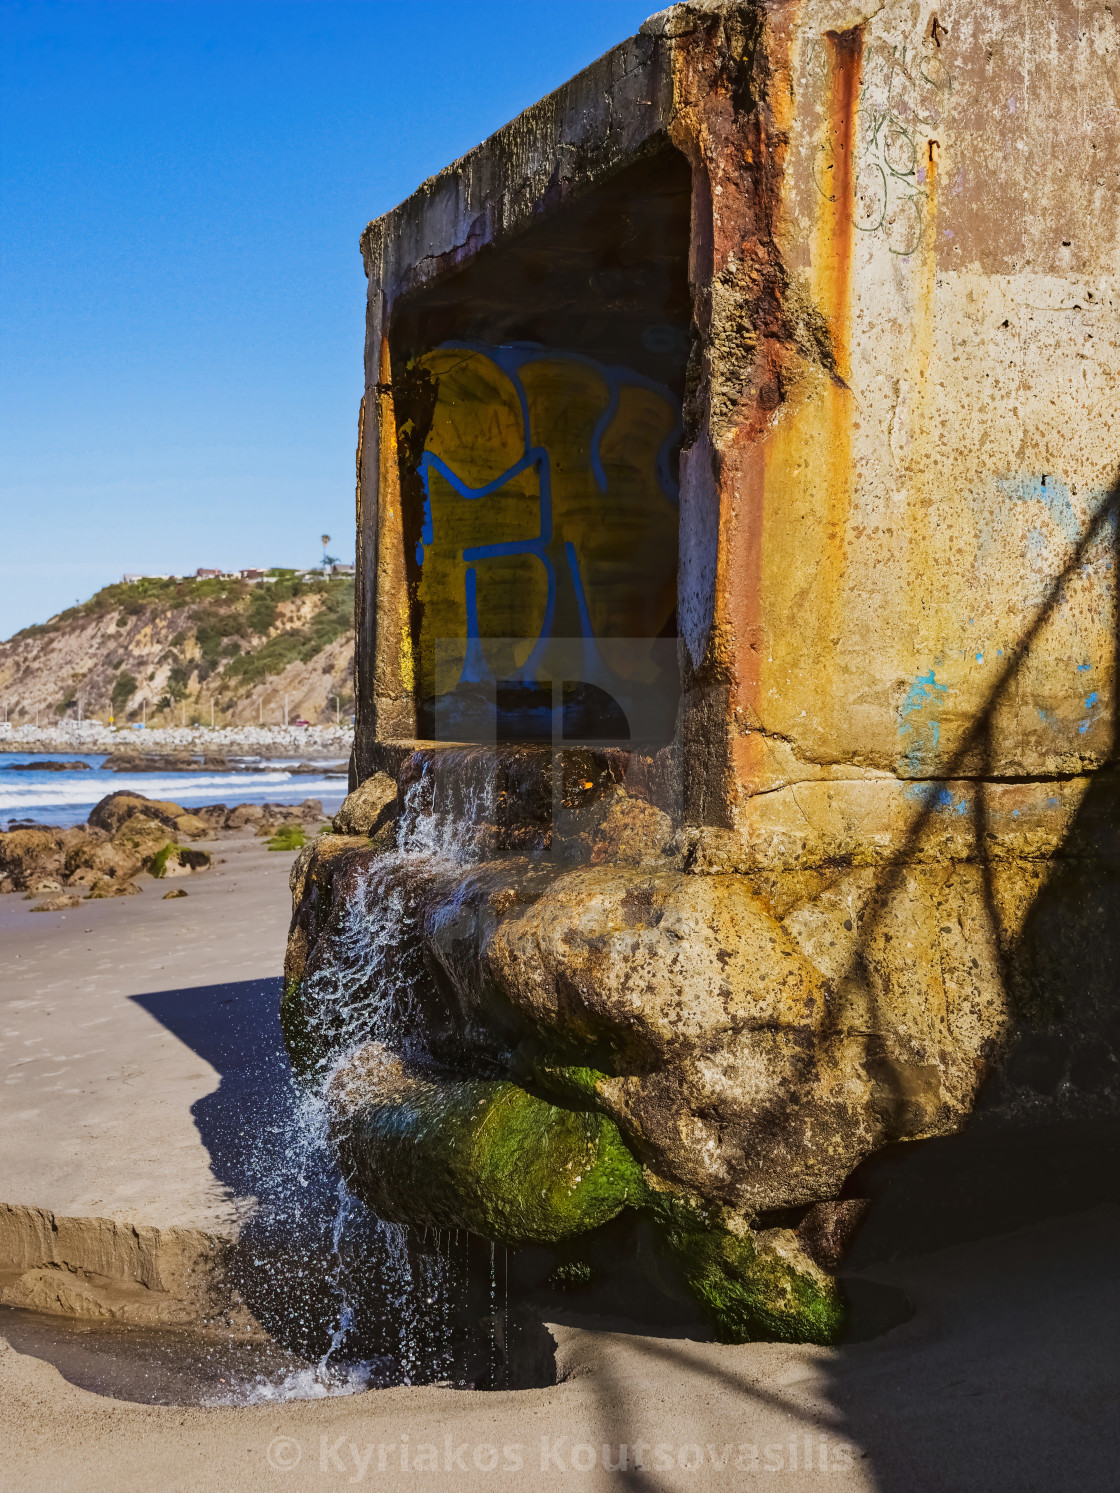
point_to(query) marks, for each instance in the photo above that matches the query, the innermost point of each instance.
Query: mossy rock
(752, 1287)
(175, 860)
(483, 1155)
(145, 837)
(573, 1085)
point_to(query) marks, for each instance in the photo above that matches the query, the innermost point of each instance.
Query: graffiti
(550, 513)
(1053, 494)
(924, 731)
(904, 92)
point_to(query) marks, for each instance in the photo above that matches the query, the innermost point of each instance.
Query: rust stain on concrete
(832, 256)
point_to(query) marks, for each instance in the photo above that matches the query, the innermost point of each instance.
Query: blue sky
(182, 186)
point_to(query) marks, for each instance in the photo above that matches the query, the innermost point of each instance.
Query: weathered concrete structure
(858, 873)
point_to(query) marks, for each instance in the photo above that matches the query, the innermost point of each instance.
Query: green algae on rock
(752, 1286)
(177, 860)
(479, 1154)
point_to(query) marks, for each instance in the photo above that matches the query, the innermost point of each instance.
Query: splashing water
(401, 1303)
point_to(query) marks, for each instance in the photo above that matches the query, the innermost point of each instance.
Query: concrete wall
(910, 558)
(897, 554)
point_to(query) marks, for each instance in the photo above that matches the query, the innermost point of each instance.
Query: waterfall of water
(402, 1308)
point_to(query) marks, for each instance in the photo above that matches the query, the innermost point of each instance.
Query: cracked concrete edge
(109, 1269)
(872, 821)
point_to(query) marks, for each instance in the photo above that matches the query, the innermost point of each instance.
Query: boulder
(631, 833)
(362, 811)
(43, 885)
(48, 767)
(104, 887)
(272, 816)
(58, 903)
(143, 836)
(191, 827)
(244, 815)
(751, 1285)
(476, 1154)
(213, 816)
(177, 860)
(733, 1025)
(94, 859)
(27, 855)
(116, 808)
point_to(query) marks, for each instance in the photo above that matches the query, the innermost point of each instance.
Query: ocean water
(66, 798)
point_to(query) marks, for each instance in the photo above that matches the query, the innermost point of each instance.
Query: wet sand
(1006, 1378)
(127, 1036)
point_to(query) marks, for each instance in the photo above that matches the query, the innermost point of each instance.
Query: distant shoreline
(307, 743)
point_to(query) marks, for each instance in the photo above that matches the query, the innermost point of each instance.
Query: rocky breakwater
(536, 1002)
(331, 742)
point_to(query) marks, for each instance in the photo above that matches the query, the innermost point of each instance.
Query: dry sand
(127, 1024)
(113, 1019)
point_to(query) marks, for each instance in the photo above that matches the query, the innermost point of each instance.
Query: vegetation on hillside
(154, 645)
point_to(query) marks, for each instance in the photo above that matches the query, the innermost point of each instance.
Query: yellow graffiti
(549, 513)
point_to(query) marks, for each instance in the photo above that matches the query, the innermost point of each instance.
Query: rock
(96, 858)
(476, 1154)
(47, 767)
(57, 904)
(693, 996)
(722, 1022)
(29, 855)
(276, 816)
(631, 833)
(177, 891)
(244, 815)
(142, 836)
(164, 762)
(310, 811)
(213, 816)
(112, 812)
(191, 827)
(310, 881)
(751, 1285)
(177, 860)
(361, 812)
(104, 887)
(44, 884)
(827, 1229)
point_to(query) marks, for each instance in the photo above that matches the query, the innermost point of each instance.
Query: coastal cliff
(172, 651)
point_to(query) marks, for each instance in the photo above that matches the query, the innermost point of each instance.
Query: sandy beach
(142, 1029)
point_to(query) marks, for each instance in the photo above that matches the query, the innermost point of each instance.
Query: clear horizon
(183, 187)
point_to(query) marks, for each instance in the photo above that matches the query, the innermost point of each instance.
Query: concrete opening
(538, 395)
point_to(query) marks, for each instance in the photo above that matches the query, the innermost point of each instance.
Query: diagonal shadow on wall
(1061, 967)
